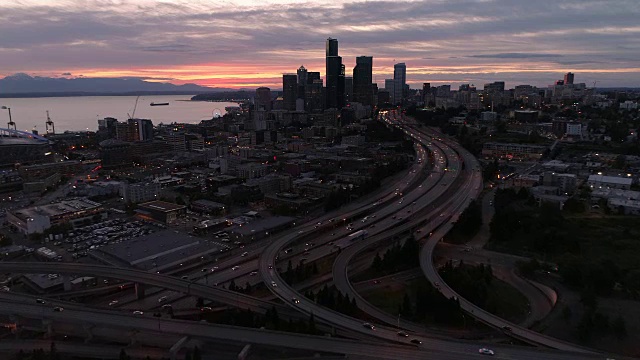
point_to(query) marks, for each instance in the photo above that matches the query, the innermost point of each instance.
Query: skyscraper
(426, 93)
(289, 90)
(334, 75)
(362, 79)
(263, 98)
(400, 80)
(302, 82)
(568, 78)
(348, 89)
(390, 85)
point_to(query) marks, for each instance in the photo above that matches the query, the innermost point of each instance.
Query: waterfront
(83, 112)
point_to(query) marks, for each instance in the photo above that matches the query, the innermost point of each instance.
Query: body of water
(83, 112)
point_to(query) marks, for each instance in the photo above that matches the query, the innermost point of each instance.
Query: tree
(123, 355)
(196, 354)
(406, 306)
(187, 355)
(619, 327)
(199, 302)
(377, 262)
(566, 313)
(53, 352)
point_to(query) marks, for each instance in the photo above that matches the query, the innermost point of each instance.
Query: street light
(10, 123)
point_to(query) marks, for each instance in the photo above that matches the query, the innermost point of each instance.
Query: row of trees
(429, 306)
(331, 297)
(300, 273)
(472, 283)
(468, 224)
(270, 320)
(397, 258)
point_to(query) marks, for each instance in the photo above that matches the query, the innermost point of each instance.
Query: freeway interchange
(424, 203)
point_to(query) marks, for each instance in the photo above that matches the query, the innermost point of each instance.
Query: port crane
(135, 106)
(50, 127)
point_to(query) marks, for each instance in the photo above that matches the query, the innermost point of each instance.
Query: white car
(113, 302)
(485, 351)
(235, 268)
(273, 283)
(138, 312)
(162, 299)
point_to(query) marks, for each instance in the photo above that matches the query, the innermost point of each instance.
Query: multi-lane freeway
(420, 204)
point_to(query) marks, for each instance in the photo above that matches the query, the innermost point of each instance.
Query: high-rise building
(144, 128)
(496, 86)
(426, 93)
(400, 79)
(302, 82)
(312, 76)
(263, 99)
(289, 91)
(348, 89)
(389, 85)
(127, 131)
(568, 78)
(302, 75)
(314, 99)
(362, 79)
(334, 76)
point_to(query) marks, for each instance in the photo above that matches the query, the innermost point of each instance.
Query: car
(235, 268)
(300, 232)
(288, 250)
(113, 302)
(185, 278)
(376, 282)
(214, 268)
(244, 254)
(206, 308)
(485, 351)
(273, 284)
(369, 326)
(253, 273)
(295, 301)
(270, 266)
(167, 306)
(416, 341)
(204, 270)
(58, 309)
(403, 334)
(162, 299)
(40, 301)
(507, 328)
(138, 312)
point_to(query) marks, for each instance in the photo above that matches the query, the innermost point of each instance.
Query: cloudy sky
(238, 43)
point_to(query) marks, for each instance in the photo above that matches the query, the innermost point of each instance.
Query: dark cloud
(515, 56)
(66, 74)
(430, 36)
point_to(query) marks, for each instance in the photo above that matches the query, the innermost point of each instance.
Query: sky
(247, 44)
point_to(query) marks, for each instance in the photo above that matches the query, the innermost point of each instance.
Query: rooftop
(263, 225)
(161, 206)
(56, 209)
(611, 179)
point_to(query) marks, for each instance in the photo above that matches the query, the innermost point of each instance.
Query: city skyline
(245, 45)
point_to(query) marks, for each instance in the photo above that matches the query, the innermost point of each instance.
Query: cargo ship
(158, 104)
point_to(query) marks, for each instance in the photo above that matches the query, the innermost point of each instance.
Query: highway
(206, 331)
(393, 215)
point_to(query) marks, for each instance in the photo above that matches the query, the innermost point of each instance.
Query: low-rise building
(161, 211)
(37, 219)
(513, 151)
(614, 182)
(140, 192)
(207, 206)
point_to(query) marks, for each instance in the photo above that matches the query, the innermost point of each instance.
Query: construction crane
(50, 127)
(133, 114)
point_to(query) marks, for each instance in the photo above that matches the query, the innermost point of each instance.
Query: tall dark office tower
(302, 75)
(332, 47)
(568, 78)
(289, 90)
(426, 92)
(145, 129)
(348, 89)
(314, 99)
(334, 80)
(263, 98)
(399, 79)
(302, 82)
(362, 79)
(312, 76)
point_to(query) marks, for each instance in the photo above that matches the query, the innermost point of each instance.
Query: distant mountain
(20, 84)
